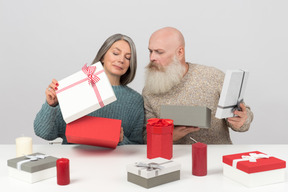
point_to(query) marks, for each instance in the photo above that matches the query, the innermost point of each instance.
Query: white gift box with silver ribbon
(153, 172)
(252, 176)
(232, 93)
(32, 168)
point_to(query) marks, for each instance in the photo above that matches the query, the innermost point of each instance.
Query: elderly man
(170, 80)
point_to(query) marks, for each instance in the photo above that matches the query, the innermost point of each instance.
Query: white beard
(161, 79)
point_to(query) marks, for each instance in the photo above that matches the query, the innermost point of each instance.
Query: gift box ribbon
(160, 122)
(89, 71)
(92, 80)
(30, 158)
(159, 126)
(252, 157)
(150, 167)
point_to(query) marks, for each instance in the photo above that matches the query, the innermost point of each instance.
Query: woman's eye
(115, 53)
(128, 58)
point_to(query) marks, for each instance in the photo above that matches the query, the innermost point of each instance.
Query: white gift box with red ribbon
(84, 92)
(254, 168)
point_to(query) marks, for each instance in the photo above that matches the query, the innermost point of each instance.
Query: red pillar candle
(199, 159)
(63, 173)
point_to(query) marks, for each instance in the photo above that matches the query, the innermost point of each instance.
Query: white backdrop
(45, 39)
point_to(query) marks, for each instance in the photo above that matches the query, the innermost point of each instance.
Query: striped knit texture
(128, 107)
(201, 86)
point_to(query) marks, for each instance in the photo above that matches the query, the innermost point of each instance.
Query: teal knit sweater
(128, 107)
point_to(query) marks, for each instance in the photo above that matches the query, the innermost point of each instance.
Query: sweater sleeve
(136, 124)
(49, 123)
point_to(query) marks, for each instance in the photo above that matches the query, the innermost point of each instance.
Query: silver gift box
(196, 116)
(32, 168)
(165, 171)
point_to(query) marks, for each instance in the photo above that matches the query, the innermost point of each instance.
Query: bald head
(170, 35)
(167, 43)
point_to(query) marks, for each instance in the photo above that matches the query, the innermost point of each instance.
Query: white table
(101, 169)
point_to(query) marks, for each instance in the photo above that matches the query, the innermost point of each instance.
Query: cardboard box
(196, 116)
(148, 175)
(232, 93)
(32, 168)
(97, 131)
(159, 138)
(254, 168)
(78, 95)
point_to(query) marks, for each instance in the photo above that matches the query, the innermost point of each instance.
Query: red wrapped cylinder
(199, 159)
(63, 173)
(160, 138)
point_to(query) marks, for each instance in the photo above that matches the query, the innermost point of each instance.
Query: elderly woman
(118, 57)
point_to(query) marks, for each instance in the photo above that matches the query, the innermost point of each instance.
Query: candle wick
(193, 140)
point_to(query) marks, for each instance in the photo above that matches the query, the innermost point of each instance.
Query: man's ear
(181, 53)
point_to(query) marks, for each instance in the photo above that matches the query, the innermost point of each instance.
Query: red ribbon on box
(159, 126)
(89, 71)
(160, 122)
(92, 80)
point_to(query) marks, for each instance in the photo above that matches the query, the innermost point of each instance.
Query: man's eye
(159, 52)
(115, 53)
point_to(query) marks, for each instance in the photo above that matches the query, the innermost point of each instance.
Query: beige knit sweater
(201, 86)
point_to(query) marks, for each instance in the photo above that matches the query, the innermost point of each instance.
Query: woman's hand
(50, 92)
(121, 135)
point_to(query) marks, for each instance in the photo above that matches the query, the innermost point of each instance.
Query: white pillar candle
(23, 146)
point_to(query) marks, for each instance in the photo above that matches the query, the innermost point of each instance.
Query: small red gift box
(95, 131)
(254, 168)
(160, 138)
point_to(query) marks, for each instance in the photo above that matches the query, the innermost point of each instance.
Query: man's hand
(181, 131)
(240, 119)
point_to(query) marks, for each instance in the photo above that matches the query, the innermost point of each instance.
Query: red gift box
(95, 131)
(160, 138)
(250, 163)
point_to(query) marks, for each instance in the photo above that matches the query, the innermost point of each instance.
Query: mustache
(154, 66)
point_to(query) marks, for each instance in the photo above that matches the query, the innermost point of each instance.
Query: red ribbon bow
(89, 71)
(160, 122)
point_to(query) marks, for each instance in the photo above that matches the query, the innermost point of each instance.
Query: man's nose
(152, 56)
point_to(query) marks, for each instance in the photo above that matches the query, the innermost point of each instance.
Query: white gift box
(153, 172)
(254, 169)
(232, 93)
(32, 168)
(84, 92)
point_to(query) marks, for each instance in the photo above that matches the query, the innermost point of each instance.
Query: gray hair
(130, 73)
